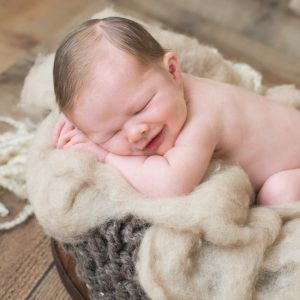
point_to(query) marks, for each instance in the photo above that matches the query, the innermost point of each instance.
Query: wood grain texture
(50, 288)
(25, 24)
(25, 257)
(276, 66)
(11, 82)
(269, 22)
(52, 42)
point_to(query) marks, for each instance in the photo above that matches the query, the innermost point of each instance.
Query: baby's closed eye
(115, 132)
(144, 106)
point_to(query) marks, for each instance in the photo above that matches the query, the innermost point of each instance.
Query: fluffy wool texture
(13, 157)
(210, 244)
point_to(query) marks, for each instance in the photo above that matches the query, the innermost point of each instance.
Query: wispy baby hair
(73, 63)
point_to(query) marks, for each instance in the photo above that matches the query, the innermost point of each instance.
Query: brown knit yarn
(106, 256)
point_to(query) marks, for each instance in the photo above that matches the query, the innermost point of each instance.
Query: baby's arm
(176, 173)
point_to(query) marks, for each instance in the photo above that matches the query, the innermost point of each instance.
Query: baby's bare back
(260, 135)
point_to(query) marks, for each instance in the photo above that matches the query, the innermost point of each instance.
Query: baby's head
(120, 87)
(75, 57)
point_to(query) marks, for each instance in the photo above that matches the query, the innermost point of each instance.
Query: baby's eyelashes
(140, 110)
(115, 132)
(147, 103)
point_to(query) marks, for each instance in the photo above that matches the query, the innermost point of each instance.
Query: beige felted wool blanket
(210, 244)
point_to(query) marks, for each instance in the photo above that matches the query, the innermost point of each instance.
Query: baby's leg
(281, 187)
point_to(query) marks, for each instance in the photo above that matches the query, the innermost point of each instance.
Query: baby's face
(129, 110)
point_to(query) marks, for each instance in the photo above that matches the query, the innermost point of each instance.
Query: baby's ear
(172, 66)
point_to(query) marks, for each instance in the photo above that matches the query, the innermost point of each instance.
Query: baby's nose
(137, 132)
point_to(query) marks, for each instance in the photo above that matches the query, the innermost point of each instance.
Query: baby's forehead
(111, 87)
(115, 70)
(115, 76)
(115, 58)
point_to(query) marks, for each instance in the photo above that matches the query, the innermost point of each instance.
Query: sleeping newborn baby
(124, 98)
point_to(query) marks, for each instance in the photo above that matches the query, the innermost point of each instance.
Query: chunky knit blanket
(211, 244)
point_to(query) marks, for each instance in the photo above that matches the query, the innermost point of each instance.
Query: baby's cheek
(92, 138)
(119, 146)
(173, 108)
(111, 146)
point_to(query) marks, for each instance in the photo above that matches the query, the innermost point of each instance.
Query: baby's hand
(62, 127)
(67, 136)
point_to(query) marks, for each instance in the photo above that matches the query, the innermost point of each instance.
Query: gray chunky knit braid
(106, 256)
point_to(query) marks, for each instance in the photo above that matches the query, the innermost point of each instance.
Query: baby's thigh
(281, 187)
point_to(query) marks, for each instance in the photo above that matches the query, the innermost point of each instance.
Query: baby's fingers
(57, 129)
(74, 140)
(67, 133)
(62, 122)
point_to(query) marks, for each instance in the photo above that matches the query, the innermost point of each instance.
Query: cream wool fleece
(210, 244)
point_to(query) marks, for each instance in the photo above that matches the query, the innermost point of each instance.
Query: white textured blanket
(211, 244)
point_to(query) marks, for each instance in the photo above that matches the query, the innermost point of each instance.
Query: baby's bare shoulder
(198, 131)
(208, 103)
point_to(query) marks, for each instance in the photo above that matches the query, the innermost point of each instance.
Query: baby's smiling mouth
(155, 142)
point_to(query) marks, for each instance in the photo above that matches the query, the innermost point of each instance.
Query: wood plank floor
(265, 34)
